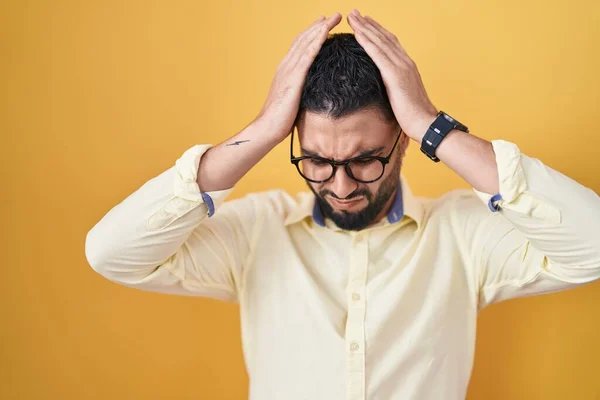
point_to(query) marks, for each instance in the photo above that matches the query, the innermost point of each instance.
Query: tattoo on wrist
(237, 143)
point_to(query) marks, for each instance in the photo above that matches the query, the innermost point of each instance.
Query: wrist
(419, 127)
(270, 130)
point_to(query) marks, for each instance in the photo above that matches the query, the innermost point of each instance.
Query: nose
(341, 184)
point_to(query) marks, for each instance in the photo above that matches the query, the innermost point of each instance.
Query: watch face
(455, 123)
(449, 118)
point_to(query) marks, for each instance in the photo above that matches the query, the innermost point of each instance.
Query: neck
(386, 209)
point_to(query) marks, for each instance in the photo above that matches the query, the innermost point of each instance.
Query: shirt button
(355, 296)
(354, 346)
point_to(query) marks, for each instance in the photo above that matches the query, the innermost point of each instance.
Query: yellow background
(99, 96)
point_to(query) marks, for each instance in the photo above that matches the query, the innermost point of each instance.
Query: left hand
(410, 103)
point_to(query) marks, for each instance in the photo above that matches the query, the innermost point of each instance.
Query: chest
(350, 309)
(391, 274)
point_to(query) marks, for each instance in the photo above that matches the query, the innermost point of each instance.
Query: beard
(355, 221)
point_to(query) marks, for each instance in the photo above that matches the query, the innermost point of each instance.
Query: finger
(308, 50)
(306, 32)
(316, 38)
(387, 33)
(329, 22)
(380, 28)
(307, 56)
(378, 56)
(376, 45)
(368, 21)
(379, 37)
(333, 20)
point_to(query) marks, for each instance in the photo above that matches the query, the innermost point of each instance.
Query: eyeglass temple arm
(292, 143)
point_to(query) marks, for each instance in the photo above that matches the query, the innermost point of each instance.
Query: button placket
(355, 325)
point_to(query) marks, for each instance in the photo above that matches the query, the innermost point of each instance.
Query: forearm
(144, 229)
(555, 213)
(222, 166)
(558, 215)
(472, 158)
(160, 237)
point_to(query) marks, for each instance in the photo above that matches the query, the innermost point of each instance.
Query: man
(358, 290)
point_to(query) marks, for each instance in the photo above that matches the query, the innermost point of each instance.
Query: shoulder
(275, 204)
(459, 206)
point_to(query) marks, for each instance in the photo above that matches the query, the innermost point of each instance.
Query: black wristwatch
(437, 131)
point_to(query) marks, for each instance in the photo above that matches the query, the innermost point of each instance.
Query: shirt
(388, 312)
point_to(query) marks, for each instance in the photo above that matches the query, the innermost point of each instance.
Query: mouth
(345, 204)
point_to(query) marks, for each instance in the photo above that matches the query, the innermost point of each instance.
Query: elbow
(97, 254)
(578, 274)
(107, 256)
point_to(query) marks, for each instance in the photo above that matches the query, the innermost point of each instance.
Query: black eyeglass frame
(334, 164)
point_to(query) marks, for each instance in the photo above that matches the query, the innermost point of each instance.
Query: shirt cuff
(185, 185)
(510, 173)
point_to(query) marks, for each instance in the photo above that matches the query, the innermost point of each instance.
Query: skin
(469, 156)
(346, 138)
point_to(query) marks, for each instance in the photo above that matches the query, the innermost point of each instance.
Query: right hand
(281, 107)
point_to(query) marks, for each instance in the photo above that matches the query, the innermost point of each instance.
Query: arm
(543, 237)
(224, 165)
(160, 237)
(469, 156)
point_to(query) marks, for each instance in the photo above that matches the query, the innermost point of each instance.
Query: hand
(281, 107)
(410, 103)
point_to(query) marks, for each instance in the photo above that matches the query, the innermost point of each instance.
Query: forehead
(346, 137)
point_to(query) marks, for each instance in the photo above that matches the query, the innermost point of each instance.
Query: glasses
(363, 169)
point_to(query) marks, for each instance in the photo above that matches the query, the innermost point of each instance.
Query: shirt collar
(405, 204)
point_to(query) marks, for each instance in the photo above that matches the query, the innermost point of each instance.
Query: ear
(299, 118)
(404, 142)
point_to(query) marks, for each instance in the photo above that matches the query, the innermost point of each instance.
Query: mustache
(357, 193)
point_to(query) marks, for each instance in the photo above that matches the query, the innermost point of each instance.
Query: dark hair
(343, 79)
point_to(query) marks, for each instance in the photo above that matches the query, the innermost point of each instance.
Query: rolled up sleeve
(160, 238)
(537, 235)
(186, 194)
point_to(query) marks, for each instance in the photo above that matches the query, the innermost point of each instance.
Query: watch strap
(437, 131)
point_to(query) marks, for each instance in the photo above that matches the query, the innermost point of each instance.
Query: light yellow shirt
(385, 313)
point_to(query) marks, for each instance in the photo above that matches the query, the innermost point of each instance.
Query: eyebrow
(364, 153)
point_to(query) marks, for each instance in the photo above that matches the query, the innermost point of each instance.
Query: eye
(316, 162)
(364, 161)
